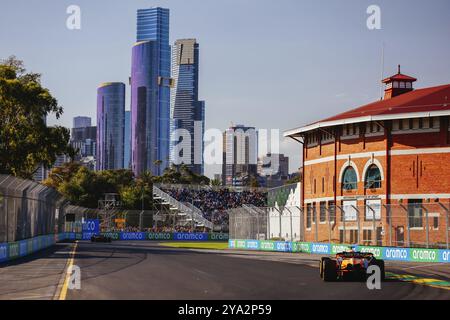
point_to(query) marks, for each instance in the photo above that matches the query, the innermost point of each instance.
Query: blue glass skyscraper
(127, 143)
(110, 125)
(186, 111)
(150, 92)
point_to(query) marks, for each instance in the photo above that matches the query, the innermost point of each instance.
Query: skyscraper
(240, 154)
(81, 122)
(127, 145)
(150, 92)
(85, 140)
(110, 126)
(186, 111)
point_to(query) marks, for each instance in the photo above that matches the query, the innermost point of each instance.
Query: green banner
(424, 255)
(13, 250)
(240, 244)
(377, 251)
(267, 245)
(304, 247)
(337, 248)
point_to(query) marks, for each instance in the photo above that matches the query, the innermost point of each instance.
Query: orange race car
(349, 266)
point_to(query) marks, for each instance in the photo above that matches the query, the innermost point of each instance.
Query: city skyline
(244, 92)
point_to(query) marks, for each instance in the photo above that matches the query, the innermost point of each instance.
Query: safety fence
(386, 253)
(28, 209)
(423, 225)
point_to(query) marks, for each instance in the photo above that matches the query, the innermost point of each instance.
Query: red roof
(420, 100)
(399, 77)
(427, 100)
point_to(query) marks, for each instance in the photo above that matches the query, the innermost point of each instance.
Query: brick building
(389, 159)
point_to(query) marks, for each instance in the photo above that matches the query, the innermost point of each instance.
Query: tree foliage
(181, 175)
(85, 188)
(25, 139)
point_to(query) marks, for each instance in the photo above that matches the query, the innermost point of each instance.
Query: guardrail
(14, 250)
(19, 249)
(386, 253)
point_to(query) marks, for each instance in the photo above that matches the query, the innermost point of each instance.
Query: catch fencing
(419, 225)
(27, 209)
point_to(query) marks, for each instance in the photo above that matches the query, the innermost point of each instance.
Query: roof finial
(399, 69)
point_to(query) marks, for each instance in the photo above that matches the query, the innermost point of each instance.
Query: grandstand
(213, 203)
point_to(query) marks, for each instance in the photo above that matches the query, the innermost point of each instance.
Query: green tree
(25, 139)
(62, 174)
(294, 179)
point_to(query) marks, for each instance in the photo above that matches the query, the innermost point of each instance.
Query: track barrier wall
(14, 250)
(386, 253)
(162, 236)
(19, 249)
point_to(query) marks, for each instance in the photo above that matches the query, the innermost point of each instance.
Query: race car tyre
(380, 264)
(321, 266)
(329, 270)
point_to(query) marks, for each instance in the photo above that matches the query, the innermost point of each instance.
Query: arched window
(350, 180)
(373, 177)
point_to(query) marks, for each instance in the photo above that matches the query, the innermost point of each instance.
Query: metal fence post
(389, 216)
(268, 225)
(408, 233)
(373, 225)
(281, 233)
(446, 229)
(344, 236)
(7, 222)
(257, 225)
(316, 223)
(329, 225)
(427, 225)
(358, 219)
(292, 228)
(446, 223)
(302, 224)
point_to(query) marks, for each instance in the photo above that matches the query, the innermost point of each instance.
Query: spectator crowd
(215, 203)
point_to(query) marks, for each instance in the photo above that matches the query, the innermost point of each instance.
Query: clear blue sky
(266, 63)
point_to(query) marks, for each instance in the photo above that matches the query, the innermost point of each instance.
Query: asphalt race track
(144, 270)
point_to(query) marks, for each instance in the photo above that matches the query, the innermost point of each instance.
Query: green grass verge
(197, 245)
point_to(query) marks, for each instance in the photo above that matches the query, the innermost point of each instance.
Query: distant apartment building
(84, 139)
(274, 165)
(187, 113)
(240, 155)
(82, 122)
(110, 126)
(274, 168)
